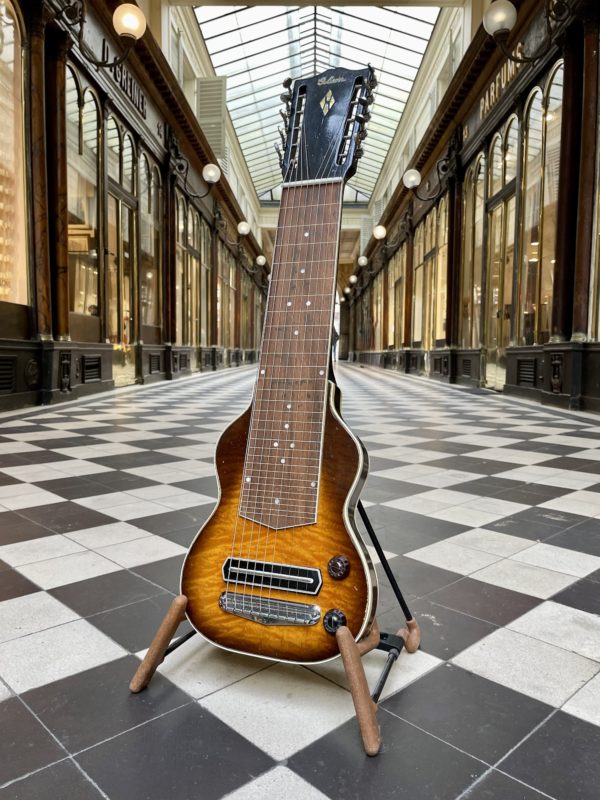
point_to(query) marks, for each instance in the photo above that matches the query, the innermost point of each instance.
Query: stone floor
(489, 512)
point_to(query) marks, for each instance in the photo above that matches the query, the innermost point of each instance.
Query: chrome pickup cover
(288, 577)
(268, 611)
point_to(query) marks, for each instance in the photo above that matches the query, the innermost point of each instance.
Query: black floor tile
(143, 458)
(497, 786)
(6, 480)
(25, 745)
(380, 489)
(474, 464)
(578, 464)
(94, 705)
(476, 715)
(183, 537)
(489, 486)
(418, 579)
(412, 765)
(165, 573)
(206, 485)
(122, 481)
(533, 494)
(445, 632)
(134, 626)
(13, 584)
(561, 759)
(73, 488)
(584, 595)
(406, 521)
(484, 601)
(584, 537)
(203, 758)
(16, 528)
(62, 781)
(67, 516)
(105, 592)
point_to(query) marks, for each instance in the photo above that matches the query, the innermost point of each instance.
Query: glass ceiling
(256, 47)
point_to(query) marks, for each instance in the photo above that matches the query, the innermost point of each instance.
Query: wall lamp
(412, 180)
(211, 173)
(128, 21)
(501, 16)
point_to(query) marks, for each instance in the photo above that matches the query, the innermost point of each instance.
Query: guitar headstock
(325, 119)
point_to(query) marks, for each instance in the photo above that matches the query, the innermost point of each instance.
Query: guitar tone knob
(338, 567)
(333, 620)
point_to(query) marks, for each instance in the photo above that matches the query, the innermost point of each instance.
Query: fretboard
(280, 485)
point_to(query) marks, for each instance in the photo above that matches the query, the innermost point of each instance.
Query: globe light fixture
(243, 228)
(379, 232)
(501, 17)
(352, 280)
(261, 261)
(211, 173)
(411, 178)
(129, 21)
(362, 262)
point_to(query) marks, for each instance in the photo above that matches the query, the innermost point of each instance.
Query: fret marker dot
(286, 426)
(313, 484)
(289, 302)
(262, 372)
(277, 501)
(302, 271)
(306, 233)
(292, 445)
(296, 333)
(321, 372)
(308, 303)
(289, 405)
(275, 444)
(283, 460)
(248, 480)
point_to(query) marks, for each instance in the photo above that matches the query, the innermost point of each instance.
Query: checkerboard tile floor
(489, 512)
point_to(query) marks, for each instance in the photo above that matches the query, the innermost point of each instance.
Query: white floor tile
(141, 551)
(33, 436)
(192, 451)
(105, 535)
(135, 510)
(566, 627)
(174, 472)
(30, 613)
(27, 495)
(98, 502)
(67, 569)
(524, 578)
(408, 454)
(185, 499)
(407, 669)
(373, 553)
(514, 456)
(7, 448)
(98, 450)
(463, 515)
(540, 670)
(499, 544)
(569, 441)
(200, 668)
(483, 441)
(280, 782)
(493, 505)
(453, 557)
(282, 709)
(585, 503)
(40, 549)
(5, 692)
(128, 436)
(560, 559)
(55, 653)
(585, 704)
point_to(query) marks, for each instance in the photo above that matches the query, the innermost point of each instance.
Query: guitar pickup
(265, 574)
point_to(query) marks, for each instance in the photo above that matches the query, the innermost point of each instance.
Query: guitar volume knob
(338, 567)
(333, 620)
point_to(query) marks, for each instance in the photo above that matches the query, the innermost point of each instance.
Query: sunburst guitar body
(280, 566)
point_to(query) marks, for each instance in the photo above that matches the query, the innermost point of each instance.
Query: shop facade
(493, 280)
(117, 264)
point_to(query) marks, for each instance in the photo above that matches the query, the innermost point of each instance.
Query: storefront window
(417, 315)
(226, 297)
(205, 282)
(150, 244)
(377, 313)
(14, 283)
(441, 273)
(180, 284)
(246, 287)
(396, 267)
(472, 254)
(193, 277)
(540, 194)
(83, 128)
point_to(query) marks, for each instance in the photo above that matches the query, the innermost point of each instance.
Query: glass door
(120, 284)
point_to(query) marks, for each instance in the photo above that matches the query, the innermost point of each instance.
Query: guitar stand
(365, 703)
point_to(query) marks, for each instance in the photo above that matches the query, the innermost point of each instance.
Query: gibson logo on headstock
(330, 80)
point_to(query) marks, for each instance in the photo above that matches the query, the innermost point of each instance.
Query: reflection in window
(441, 272)
(82, 121)
(150, 244)
(113, 150)
(14, 284)
(225, 297)
(496, 171)
(396, 267)
(377, 312)
(430, 278)
(470, 320)
(540, 196)
(180, 246)
(205, 283)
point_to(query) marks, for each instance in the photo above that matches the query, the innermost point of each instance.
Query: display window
(14, 271)
(150, 243)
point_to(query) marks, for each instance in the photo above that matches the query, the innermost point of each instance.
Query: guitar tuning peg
(372, 82)
(362, 135)
(282, 135)
(287, 83)
(279, 154)
(359, 152)
(286, 98)
(366, 100)
(364, 117)
(284, 116)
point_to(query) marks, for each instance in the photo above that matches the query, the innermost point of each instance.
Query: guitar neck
(283, 457)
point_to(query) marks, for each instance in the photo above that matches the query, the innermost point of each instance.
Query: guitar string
(293, 207)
